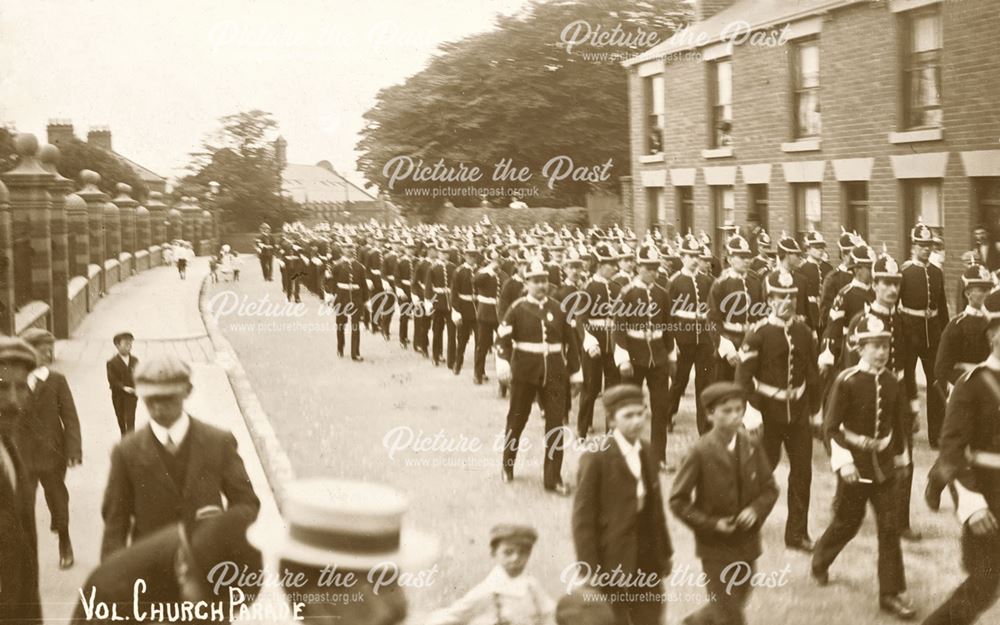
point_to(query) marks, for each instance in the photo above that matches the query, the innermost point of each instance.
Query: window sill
(651, 158)
(725, 152)
(916, 136)
(802, 145)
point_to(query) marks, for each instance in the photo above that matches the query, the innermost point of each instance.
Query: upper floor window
(722, 103)
(922, 67)
(654, 100)
(805, 73)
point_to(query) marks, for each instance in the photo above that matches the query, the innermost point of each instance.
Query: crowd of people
(797, 348)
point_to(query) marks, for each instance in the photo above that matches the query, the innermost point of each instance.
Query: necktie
(7, 466)
(171, 446)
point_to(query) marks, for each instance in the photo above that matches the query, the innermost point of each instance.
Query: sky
(160, 73)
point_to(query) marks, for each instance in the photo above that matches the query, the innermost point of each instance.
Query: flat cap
(122, 335)
(513, 532)
(15, 350)
(162, 375)
(721, 391)
(622, 395)
(37, 336)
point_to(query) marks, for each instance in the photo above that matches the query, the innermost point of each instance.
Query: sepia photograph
(500, 312)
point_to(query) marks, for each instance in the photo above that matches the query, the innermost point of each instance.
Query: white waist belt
(482, 299)
(405, 282)
(538, 348)
(349, 287)
(734, 327)
(645, 335)
(607, 322)
(467, 298)
(914, 312)
(781, 394)
(686, 314)
(858, 440)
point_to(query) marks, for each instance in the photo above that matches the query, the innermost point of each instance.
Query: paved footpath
(162, 311)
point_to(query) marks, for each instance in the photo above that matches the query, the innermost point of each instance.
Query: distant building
(869, 115)
(328, 196)
(100, 137)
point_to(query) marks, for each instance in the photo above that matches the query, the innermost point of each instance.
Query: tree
(76, 155)
(519, 92)
(241, 156)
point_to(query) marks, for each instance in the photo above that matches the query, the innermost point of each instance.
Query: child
(213, 266)
(724, 491)
(507, 595)
(236, 265)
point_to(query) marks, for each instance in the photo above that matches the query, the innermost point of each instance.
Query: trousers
(553, 405)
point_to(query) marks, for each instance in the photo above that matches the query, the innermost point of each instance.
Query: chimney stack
(705, 9)
(60, 131)
(100, 137)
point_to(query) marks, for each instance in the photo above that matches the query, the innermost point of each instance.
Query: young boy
(508, 595)
(724, 491)
(866, 424)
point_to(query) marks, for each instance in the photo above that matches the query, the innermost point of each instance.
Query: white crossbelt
(645, 335)
(781, 394)
(687, 314)
(406, 282)
(914, 312)
(984, 459)
(538, 348)
(440, 289)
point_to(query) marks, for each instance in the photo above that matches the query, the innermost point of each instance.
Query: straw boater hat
(17, 351)
(162, 375)
(349, 524)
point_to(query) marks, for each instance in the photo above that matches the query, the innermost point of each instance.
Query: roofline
(653, 53)
(139, 169)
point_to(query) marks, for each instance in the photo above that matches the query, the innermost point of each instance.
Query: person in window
(989, 251)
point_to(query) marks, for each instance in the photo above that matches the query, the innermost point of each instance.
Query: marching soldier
(840, 276)
(265, 252)
(390, 260)
(403, 281)
(763, 262)
(418, 288)
(962, 346)
(924, 306)
(555, 265)
(463, 302)
(374, 282)
(486, 289)
(777, 369)
(437, 294)
(626, 266)
(537, 354)
(689, 296)
(735, 302)
(811, 273)
(644, 346)
(970, 459)
(597, 321)
(789, 260)
(851, 300)
(866, 423)
(568, 292)
(352, 294)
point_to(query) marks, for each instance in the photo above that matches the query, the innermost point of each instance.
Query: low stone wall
(155, 256)
(93, 286)
(125, 261)
(78, 305)
(32, 315)
(141, 260)
(112, 273)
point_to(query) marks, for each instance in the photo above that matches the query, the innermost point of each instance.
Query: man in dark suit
(19, 597)
(50, 440)
(618, 517)
(120, 377)
(989, 254)
(174, 563)
(175, 469)
(724, 491)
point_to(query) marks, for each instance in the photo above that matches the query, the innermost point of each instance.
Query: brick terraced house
(812, 114)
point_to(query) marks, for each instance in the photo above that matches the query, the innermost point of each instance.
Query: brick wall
(859, 78)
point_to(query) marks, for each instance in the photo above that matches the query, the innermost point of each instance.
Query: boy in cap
(866, 423)
(507, 595)
(177, 468)
(121, 369)
(724, 492)
(19, 596)
(51, 440)
(618, 518)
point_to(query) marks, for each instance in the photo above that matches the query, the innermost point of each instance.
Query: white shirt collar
(974, 312)
(992, 362)
(537, 302)
(499, 582)
(843, 267)
(867, 368)
(879, 308)
(917, 262)
(41, 373)
(628, 449)
(731, 446)
(176, 432)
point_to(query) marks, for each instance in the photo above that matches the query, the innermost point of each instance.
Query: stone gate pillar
(126, 215)
(157, 216)
(95, 199)
(6, 265)
(59, 187)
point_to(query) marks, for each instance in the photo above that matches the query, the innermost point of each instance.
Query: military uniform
(735, 302)
(437, 291)
(352, 294)
(777, 369)
(597, 322)
(486, 290)
(811, 273)
(265, 254)
(463, 305)
(403, 281)
(535, 339)
(418, 287)
(689, 297)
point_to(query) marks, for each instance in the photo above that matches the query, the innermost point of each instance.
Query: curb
(277, 466)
